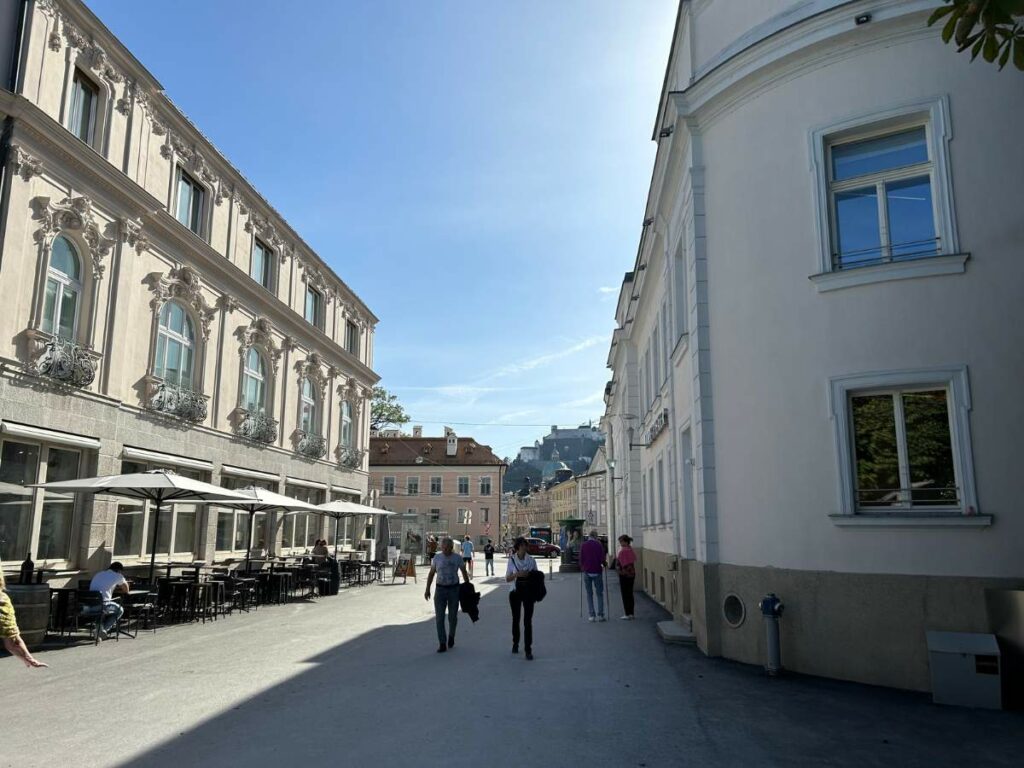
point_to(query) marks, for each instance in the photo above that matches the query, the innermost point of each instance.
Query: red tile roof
(403, 451)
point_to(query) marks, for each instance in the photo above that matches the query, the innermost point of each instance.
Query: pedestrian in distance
(592, 563)
(520, 563)
(446, 566)
(467, 554)
(489, 558)
(625, 564)
(10, 633)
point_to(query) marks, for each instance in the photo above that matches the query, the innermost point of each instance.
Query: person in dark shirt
(489, 558)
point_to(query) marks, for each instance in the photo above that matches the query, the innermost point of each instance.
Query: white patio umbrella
(160, 486)
(341, 509)
(262, 500)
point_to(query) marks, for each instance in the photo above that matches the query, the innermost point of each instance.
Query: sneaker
(529, 655)
(102, 634)
(442, 648)
(601, 618)
(625, 618)
(591, 619)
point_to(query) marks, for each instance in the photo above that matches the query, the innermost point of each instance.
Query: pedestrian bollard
(771, 610)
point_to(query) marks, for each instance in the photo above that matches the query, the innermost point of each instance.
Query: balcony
(311, 445)
(65, 361)
(179, 402)
(350, 458)
(257, 427)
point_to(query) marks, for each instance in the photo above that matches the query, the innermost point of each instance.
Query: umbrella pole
(337, 525)
(152, 548)
(248, 546)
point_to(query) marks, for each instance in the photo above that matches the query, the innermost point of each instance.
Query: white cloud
(542, 360)
(585, 402)
(607, 289)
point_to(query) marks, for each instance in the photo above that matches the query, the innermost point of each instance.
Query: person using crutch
(592, 562)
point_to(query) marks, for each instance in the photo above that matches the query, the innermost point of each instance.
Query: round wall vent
(733, 610)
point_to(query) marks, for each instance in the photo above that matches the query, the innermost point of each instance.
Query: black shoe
(515, 647)
(451, 642)
(442, 648)
(529, 655)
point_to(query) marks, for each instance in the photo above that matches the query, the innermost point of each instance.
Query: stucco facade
(759, 340)
(158, 313)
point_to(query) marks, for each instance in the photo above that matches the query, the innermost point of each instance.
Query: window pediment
(259, 333)
(73, 215)
(184, 285)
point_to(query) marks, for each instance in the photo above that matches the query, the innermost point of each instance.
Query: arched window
(175, 346)
(63, 289)
(309, 420)
(346, 424)
(254, 382)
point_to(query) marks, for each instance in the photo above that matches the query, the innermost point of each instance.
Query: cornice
(78, 27)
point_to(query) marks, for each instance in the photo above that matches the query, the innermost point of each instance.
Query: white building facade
(158, 313)
(810, 390)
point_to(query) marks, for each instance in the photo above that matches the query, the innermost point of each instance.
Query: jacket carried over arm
(469, 600)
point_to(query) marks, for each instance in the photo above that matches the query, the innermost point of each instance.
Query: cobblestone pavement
(355, 680)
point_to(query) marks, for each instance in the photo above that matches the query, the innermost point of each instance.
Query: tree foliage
(992, 28)
(386, 411)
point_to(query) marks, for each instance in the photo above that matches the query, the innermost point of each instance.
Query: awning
(350, 491)
(227, 469)
(143, 454)
(306, 483)
(49, 435)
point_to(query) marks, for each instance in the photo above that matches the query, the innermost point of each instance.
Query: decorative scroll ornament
(312, 368)
(259, 333)
(190, 157)
(24, 164)
(351, 458)
(355, 394)
(72, 214)
(131, 233)
(184, 285)
(228, 303)
(311, 445)
(258, 427)
(315, 278)
(67, 362)
(183, 403)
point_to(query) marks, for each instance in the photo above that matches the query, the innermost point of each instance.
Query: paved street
(355, 680)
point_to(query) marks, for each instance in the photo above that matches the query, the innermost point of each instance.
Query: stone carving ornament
(259, 333)
(24, 164)
(312, 368)
(72, 214)
(184, 285)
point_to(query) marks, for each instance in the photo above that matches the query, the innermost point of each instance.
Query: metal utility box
(966, 669)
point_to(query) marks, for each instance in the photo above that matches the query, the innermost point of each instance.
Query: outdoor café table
(61, 596)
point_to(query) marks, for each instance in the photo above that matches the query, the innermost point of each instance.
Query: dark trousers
(626, 588)
(526, 608)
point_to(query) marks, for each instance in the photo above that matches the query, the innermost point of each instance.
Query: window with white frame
(903, 442)
(679, 297)
(656, 354)
(388, 488)
(485, 486)
(463, 486)
(485, 514)
(352, 337)
(36, 520)
(63, 290)
(435, 515)
(261, 268)
(652, 491)
(412, 485)
(190, 202)
(314, 309)
(465, 516)
(233, 524)
(254, 382)
(85, 97)
(177, 525)
(175, 346)
(662, 509)
(436, 485)
(645, 499)
(309, 410)
(346, 424)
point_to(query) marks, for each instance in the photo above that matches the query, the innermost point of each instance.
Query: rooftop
(429, 451)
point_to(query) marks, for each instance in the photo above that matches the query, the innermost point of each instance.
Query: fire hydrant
(771, 610)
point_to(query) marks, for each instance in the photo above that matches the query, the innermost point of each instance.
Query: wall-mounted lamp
(665, 132)
(864, 18)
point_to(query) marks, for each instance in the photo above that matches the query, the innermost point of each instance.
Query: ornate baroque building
(157, 313)
(814, 369)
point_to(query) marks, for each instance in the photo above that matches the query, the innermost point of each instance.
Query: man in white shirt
(467, 554)
(109, 583)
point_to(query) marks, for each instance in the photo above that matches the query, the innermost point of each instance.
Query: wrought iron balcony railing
(311, 445)
(67, 362)
(258, 427)
(350, 458)
(179, 401)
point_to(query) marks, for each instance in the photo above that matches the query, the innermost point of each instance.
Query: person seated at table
(320, 550)
(109, 583)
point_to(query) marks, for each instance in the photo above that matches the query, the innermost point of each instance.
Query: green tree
(386, 411)
(992, 28)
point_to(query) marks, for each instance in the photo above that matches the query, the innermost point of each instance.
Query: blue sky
(475, 171)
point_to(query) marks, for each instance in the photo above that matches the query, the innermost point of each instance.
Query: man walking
(467, 554)
(489, 558)
(446, 565)
(592, 562)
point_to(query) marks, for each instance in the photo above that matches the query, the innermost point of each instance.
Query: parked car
(539, 548)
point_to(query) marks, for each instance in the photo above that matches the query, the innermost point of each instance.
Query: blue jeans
(111, 613)
(446, 597)
(489, 566)
(594, 581)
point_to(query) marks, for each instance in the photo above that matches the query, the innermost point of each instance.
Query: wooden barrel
(32, 610)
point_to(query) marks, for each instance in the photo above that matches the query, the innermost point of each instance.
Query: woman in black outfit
(520, 563)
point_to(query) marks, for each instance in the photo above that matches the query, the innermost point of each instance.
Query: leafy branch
(992, 28)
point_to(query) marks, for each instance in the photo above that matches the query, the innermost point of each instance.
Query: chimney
(417, 431)
(451, 442)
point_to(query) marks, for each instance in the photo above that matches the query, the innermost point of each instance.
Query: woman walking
(9, 630)
(520, 563)
(625, 564)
